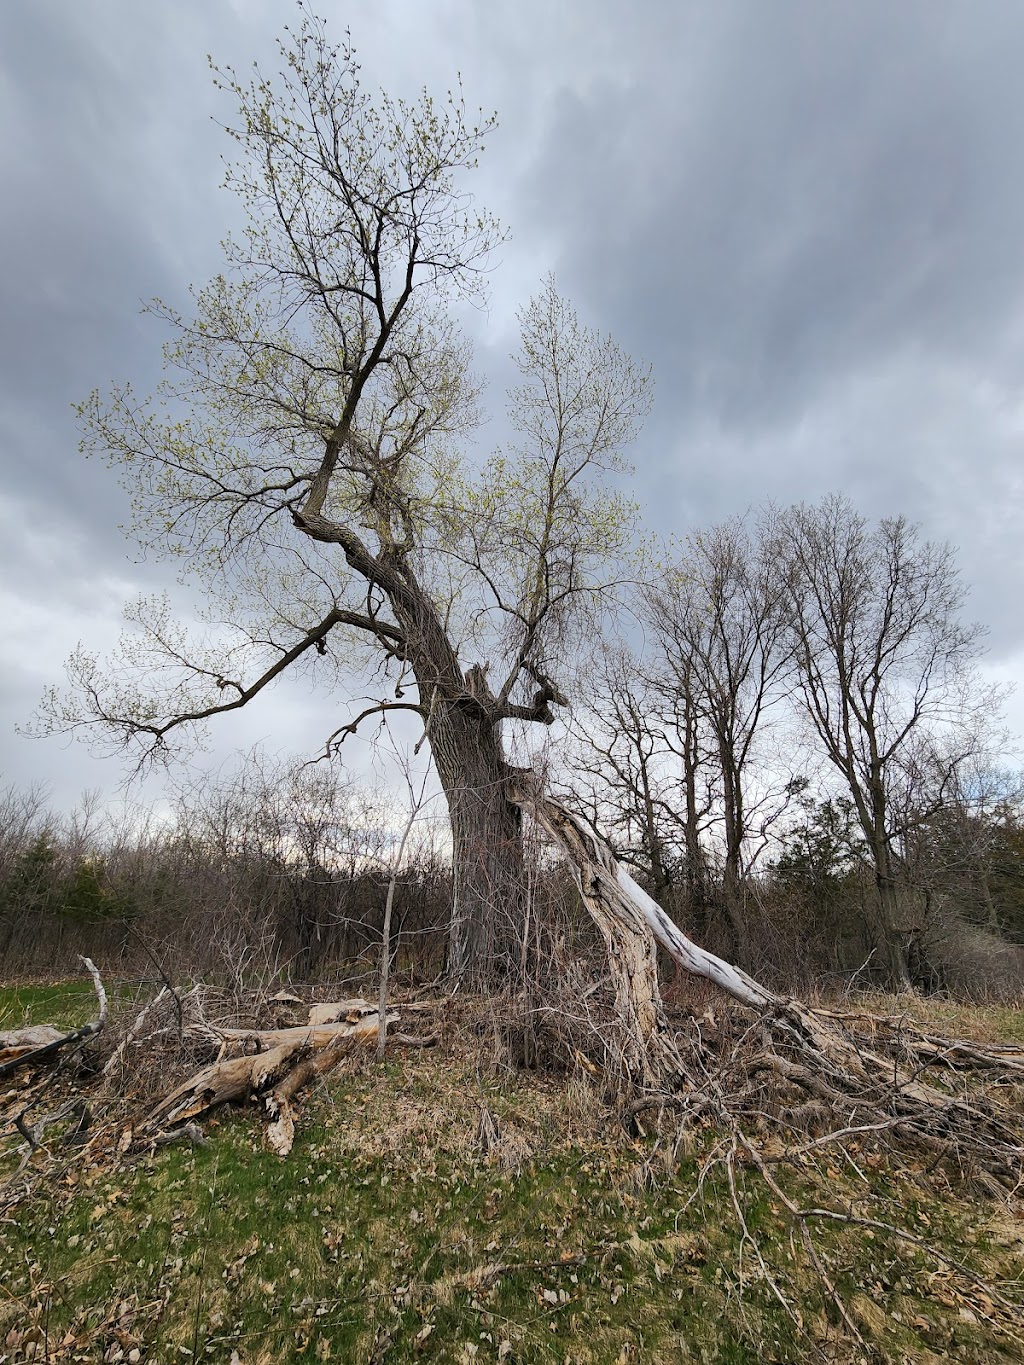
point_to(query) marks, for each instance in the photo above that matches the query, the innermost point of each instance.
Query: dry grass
(511, 1213)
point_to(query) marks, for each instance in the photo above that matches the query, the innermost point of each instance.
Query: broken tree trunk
(30, 1046)
(645, 1043)
(846, 1064)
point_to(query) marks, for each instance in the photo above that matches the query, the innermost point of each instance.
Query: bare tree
(303, 453)
(719, 621)
(885, 674)
(640, 754)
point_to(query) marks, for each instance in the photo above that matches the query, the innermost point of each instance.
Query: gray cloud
(809, 217)
(808, 190)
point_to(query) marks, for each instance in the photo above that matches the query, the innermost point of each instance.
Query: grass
(64, 1004)
(390, 1235)
(994, 1023)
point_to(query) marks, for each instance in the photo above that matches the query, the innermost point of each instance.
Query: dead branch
(28, 1047)
(132, 1035)
(286, 1060)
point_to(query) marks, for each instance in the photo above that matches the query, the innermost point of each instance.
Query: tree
(719, 621)
(884, 666)
(303, 452)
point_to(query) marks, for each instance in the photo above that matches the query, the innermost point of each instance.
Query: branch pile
(114, 1098)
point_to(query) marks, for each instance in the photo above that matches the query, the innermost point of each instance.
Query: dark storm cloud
(803, 190)
(108, 174)
(100, 122)
(809, 217)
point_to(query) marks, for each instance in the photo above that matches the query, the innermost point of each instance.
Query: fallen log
(30, 1046)
(312, 1036)
(287, 1060)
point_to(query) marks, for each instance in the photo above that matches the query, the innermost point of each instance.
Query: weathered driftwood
(41, 1043)
(286, 1060)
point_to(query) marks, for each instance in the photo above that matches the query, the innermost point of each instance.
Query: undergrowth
(437, 1208)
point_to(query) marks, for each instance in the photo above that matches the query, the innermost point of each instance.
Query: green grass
(64, 1004)
(994, 1023)
(389, 1235)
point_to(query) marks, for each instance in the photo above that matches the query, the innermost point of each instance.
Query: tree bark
(895, 936)
(648, 1054)
(488, 865)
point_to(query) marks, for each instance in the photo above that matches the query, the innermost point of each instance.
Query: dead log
(30, 1046)
(287, 1060)
(335, 1011)
(310, 1036)
(281, 1133)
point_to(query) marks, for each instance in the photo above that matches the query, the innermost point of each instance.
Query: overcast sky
(809, 218)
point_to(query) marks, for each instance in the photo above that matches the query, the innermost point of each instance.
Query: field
(439, 1208)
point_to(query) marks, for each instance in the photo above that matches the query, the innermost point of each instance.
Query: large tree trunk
(896, 936)
(488, 868)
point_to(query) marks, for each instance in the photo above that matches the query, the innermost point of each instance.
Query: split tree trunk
(630, 921)
(645, 1044)
(850, 1063)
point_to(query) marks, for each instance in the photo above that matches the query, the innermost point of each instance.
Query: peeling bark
(603, 880)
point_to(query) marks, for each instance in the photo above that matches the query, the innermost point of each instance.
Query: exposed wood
(608, 889)
(17, 1041)
(281, 1133)
(287, 1059)
(333, 1012)
(648, 1052)
(30, 1046)
(828, 1062)
(263, 1040)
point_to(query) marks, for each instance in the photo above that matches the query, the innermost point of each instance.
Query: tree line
(808, 691)
(800, 764)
